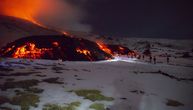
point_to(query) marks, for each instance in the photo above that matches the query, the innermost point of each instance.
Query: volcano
(55, 47)
(45, 43)
(12, 28)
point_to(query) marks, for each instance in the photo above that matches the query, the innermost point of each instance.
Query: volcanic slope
(12, 28)
(55, 47)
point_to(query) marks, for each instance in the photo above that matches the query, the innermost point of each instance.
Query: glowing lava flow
(116, 50)
(30, 51)
(104, 47)
(85, 52)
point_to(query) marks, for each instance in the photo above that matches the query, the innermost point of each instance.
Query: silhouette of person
(139, 57)
(150, 58)
(154, 60)
(168, 59)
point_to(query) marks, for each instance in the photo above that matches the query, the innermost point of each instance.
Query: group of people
(153, 59)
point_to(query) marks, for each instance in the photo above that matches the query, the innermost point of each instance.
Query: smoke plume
(58, 14)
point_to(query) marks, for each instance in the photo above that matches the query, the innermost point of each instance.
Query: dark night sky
(122, 18)
(141, 18)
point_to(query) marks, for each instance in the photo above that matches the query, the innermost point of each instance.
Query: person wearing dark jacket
(143, 57)
(150, 58)
(154, 60)
(168, 60)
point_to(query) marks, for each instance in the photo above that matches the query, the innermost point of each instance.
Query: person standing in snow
(168, 59)
(150, 58)
(143, 57)
(154, 60)
(139, 57)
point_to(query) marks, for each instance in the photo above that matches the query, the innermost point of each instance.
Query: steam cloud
(58, 14)
(63, 15)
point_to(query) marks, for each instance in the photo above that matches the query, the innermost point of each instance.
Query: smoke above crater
(57, 14)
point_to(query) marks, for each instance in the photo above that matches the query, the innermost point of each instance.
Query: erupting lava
(24, 9)
(116, 49)
(85, 52)
(104, 47)
(30, 51)
(57, 47)
(54, 47)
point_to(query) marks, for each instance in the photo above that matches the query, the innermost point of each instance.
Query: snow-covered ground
(134, 84)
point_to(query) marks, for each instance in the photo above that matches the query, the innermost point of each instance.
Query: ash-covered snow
(134, 84)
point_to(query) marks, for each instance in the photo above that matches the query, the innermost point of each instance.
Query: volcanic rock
(54, 47)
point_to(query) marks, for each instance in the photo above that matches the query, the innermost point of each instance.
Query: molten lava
(116, 49)
(55, 44)
(24, 9)
(63, 47)
(30, 51)
(85, 52)
(104, 47)
(53, 48)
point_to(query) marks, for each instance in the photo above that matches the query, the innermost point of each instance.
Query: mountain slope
(55, 47)
(12, 28)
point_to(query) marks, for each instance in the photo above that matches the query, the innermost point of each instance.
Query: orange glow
(9, 49)
(121, 48)
(24, 9)
(31, 10)
(85, 52)
(104, 47)
(55, 44)
(65, 33)
(114, 51)
(30, 51)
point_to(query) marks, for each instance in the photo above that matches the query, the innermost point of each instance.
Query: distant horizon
(148, 36)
